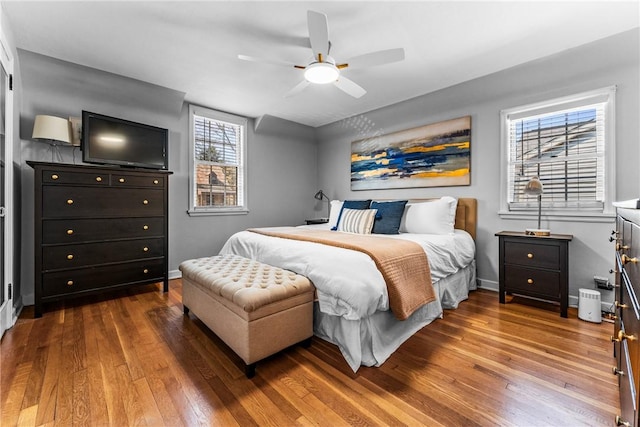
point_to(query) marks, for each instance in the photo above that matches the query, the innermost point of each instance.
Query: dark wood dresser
(98, 229)
(627, 324)
(535, 266)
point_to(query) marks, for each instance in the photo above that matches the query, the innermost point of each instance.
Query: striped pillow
(357, 220)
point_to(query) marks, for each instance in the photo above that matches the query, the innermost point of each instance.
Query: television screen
(113, 141)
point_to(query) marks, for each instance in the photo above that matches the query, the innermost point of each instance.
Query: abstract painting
(435, 155)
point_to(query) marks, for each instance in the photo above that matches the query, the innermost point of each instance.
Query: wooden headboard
(466, 214)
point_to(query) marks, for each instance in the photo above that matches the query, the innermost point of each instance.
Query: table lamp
(534, 188)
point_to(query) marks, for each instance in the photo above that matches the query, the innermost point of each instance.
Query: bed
(352, 304)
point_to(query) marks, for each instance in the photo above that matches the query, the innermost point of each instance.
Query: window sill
(218, 212)
(568, 216)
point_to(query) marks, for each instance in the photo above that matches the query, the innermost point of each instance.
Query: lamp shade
(321, 73)
(534, 187)
(52, 129)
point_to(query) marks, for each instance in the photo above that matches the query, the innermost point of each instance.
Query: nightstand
(535, 266)
(317, 221)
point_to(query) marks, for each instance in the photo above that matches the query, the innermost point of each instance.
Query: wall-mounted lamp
(535, 188)
(319, 196)
(52, 130)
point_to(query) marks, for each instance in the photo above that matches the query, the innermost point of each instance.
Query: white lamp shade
(321, 73)
(51, 128)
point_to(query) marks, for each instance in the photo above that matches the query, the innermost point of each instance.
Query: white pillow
(334, 213)
(357, 220)
(432, 217)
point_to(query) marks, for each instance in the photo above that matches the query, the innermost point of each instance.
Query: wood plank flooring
(133, 358)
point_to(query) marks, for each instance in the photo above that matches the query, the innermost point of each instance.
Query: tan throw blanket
(403, 264)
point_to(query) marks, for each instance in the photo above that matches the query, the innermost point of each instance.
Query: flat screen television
(112, 141)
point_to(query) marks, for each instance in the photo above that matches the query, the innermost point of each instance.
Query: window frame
(242, 207)
(604, 95)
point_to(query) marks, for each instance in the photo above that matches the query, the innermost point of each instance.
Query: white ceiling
(192, 47)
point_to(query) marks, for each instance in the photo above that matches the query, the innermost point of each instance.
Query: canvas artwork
(435, 155)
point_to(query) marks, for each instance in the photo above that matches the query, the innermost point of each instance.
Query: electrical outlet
(602, 283)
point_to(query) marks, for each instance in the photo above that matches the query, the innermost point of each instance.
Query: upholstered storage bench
(255, 308)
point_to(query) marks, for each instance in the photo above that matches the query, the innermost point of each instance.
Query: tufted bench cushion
(255, 308)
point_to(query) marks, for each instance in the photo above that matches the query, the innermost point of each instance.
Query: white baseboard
(490, 285)
(175, 274)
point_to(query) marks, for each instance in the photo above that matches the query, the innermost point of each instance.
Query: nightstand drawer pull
(70, 232)
(145, 271)
(70, 257)
(121, 180)
(145, 227)
(145, 249)
(145, 202)
(617, 371)
(530, 255)
(530, 281)
(155, 181)
(70, 283)
(70, 201)
(54, 176)
(625, 259)
(99, 178)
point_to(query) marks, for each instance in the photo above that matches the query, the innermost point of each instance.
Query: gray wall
(279, 151)
(612, 61)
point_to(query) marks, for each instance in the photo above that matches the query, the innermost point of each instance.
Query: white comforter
(348, 282)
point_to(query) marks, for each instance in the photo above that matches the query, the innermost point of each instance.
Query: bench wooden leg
(250, 370)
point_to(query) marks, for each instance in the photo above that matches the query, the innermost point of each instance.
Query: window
(218, 162)
(569, 144)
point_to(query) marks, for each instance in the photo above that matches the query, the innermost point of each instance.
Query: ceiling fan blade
(377, 58)
(318, 33)
(349, 87)
(266, 61)
(297, 89)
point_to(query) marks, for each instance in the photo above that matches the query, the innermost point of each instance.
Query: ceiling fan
(323, 68)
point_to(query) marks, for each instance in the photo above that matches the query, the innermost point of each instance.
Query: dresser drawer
(532, 254)
(104, 277)
(630, 250)
(84, 230)
(127, 180)
(84, 254)
(627, 387)
(59, 176)
(78, 202)
(540, 283)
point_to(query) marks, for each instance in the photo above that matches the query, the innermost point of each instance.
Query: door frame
(8, 316)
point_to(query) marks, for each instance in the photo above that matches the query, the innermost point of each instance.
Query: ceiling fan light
(321, 73)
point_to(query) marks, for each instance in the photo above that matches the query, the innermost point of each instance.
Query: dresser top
(632, 215)
(552, 236)
(35, 164)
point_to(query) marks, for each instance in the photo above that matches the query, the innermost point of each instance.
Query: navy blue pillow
(388, 216)
(352, 204)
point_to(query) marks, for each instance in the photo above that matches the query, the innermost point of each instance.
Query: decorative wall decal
(435, 155)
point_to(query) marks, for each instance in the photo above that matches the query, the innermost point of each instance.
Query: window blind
(565, 148)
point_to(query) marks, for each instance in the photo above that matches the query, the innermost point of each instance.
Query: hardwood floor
(132, 358)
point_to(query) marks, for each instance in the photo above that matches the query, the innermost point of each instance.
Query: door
(6, 190)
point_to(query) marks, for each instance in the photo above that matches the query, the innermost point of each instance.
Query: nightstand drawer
(541, 283)
(528, 254)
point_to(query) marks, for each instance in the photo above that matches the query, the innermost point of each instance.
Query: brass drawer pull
(617, 371)
(145, 249)
(530, 281)
(529, 255)
(621, 422)
(622, 336)
(155, 181)
(70, 201)
(625, 259)
(145, 202)
(145, 227)
(121, 180)
(70, 283)
(99, 178)
(145, 271)
(70, 232)
(70, 257)
(622, 247)
(618, 305)
(54, 176)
